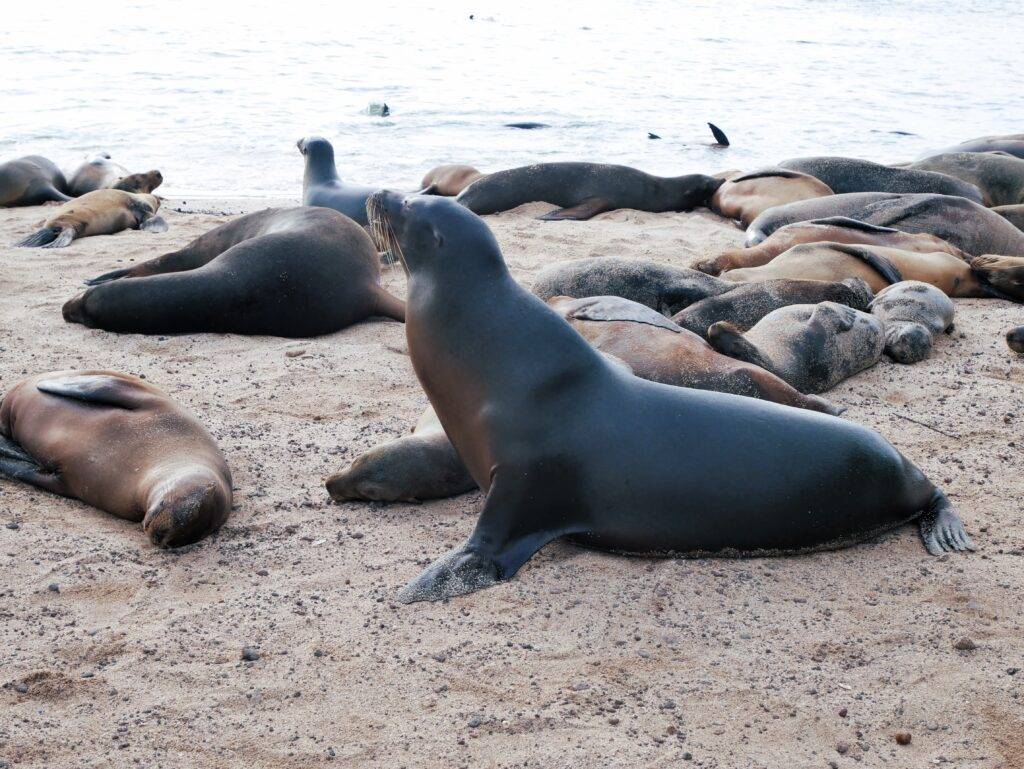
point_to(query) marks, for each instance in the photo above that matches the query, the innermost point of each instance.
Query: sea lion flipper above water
(587, 209)
(719, 135)
(615, 308)
(95, 389)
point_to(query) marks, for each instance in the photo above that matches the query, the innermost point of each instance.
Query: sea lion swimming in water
(448, 180)
(583, 190)
(845, 175)
(837, 229)
(292, 272)
(1001, 277)
(967, 225)
(119, 444)
(31, 181)
(321, 185)
(746, 196)
(103, 212)
(913, 313)
(999, 176)
(568, 445)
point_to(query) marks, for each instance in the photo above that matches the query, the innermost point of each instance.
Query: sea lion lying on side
(103, 212)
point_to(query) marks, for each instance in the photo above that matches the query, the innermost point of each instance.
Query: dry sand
(115, 654)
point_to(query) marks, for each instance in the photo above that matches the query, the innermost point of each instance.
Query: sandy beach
(116, 654)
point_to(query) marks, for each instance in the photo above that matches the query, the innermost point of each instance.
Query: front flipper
(615, 308)
(580, 212)
(153, 224)
(514, 524)
(108, 276)
(95, 389)
(727, 339)
(20, 466)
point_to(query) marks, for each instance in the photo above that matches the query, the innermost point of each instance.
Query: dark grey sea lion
(999, 176)
(845, 175)
(566, 444)
(1013, 214)
(913, 313)
(1011, 144)
(31, 181)
(321, 185)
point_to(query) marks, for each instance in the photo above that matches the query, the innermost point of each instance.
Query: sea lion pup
(422, 465)
(566, 444)
(999, 176)
(661, 287)
(103, 212)
(583, 190)
(1013, 214)
(1011, 144)
(967, 225)
(1015, 339)
(321, 185)
(97, 173)
(845, 175)
(837, 229)
(119, 444)
(31, 181)
(1001, 277)
(913, 314)
(813, 347)
(746, 304)
(141, 182)
(292, 272)
(449, 180)
(746, 196)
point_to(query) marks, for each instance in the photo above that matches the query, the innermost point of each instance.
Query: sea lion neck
(320, 167)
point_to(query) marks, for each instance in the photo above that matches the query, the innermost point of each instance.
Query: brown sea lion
(839, 229)
(119, 444)
(1015, 339)
(984, 276)
(141, 182)
(813, 347)
(998, 175)
(102, 212)
(744, 197)
(448, 180)
(1013, 214)
(31, 181)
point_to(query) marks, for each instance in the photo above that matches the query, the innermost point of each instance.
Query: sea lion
(1015, 339)
(1011, 144)
(746, 304)
(583, 190)
(527, 125)
(967, 225)
(97, 173)
(1001, 277)
(813, 347)
(845, 175)
(746, 196)
(1013, 214)
(103, 212)
(837, 229)
(141, 182)
(721, 140)
(448, 180)
(567, 445)
(913, 314)
(422, 465)
(321, 185)
(661, 287)
(31, 181)
(119, 444)
(1000, 177)
(292, 272)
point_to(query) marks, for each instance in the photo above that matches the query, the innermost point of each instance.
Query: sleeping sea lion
(999, 176)
(448, 180)
(913, 313)
(845, 175)
(1011, 144)
(566, 444)
(102, 212)
(746, 196)
(31, 181)
(119, 444)
(1013, 214)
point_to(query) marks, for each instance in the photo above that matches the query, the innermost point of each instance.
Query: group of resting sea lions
(608, 405)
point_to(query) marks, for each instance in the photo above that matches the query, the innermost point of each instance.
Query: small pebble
(53, 587)
(843, 748)
(21, 688)
(474, 722)
(965, 644)
(249, 654)
(902, 738)
(14, 526)
(843, 712)
(295, 353)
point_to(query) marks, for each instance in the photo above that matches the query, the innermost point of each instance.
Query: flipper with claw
(941, 528)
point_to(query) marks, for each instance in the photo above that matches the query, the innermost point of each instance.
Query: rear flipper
(109, 276)
(580, 212)
(941, 528)
(16, 464)
(49, 237)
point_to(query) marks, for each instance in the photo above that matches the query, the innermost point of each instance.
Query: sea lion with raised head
(1000, 277)
(967, 225)
(999, 176)
(583, 190)
(140, 182)
(845, 175)
(813, 347)
(292, 272)
(119, 444)
(746, 196)
(914, 314)
(321, 185)
(449, 180)
(31, 181)
(837, 229)
(1011, 144)
(746, 304)
(661, 287)
(566, 444)
(103, 212)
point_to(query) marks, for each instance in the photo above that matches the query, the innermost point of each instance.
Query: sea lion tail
(719, 135)
(727, 339)
(43, 237)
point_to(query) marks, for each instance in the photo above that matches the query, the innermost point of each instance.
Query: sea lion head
(143, 183)
(908, 342)
(429, 233)
(316, 148)
(1003, 276)
(185, 507)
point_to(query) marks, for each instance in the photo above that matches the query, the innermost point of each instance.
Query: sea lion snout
(186, 512)
(73, 310)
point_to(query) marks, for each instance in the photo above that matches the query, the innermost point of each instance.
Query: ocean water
(216, 94)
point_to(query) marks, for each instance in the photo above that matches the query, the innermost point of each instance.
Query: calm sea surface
(216, 94)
